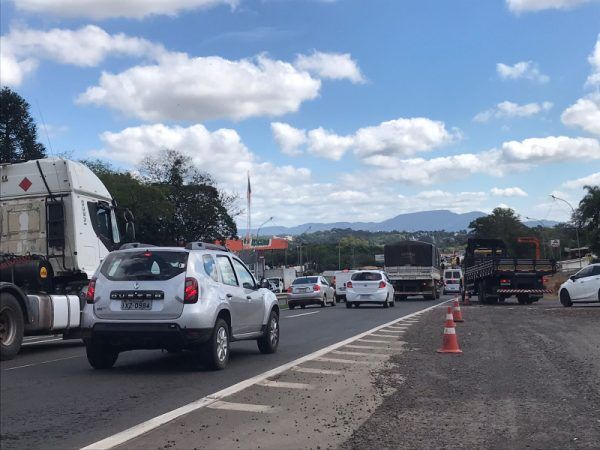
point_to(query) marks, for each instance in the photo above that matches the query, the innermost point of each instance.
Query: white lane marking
(155, 422)
(391, 331)
(340, 361)
(401, 327)
(313, 370)
(285, 384)
(366, 347)
(375, 341)
(383, 336)
(303, 314)
(339, 352)
(245, 407)
(41, 342)
(43, 362)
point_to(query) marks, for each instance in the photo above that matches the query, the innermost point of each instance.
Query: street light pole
(576, 226)
(262, 225)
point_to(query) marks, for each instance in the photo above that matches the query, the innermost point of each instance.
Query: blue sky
(340, 110)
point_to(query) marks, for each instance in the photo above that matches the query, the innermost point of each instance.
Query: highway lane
(51, 398)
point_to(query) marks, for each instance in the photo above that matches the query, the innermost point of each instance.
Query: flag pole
(249, 224)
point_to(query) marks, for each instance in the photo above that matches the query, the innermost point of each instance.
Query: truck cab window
(104, 224)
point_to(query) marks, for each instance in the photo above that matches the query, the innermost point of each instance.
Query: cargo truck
(493, 275)
(414, 268)
(57, 223)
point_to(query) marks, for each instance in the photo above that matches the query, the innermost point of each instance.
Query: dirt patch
(528, 378)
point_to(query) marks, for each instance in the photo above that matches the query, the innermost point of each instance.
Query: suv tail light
(190, 294)
(289, 290)
(316, 288)
(349, 284)
(91, 291)
(381, 284)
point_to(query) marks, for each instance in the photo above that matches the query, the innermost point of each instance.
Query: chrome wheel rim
(222, 344)
(274, 331)
(7, 328)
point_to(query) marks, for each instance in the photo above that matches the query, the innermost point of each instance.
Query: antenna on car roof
(205, 246)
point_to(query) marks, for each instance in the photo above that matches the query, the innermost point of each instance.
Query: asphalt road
(51, 398)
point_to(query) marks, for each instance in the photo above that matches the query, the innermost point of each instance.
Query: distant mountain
(537, 223)
(418, 221)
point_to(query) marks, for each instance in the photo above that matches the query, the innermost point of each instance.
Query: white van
(452, 281)
(340, 278)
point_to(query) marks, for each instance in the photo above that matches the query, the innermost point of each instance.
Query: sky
(340, 110)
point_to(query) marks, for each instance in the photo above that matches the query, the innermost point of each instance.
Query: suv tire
(324, 301)
(269, 342)
(12, 323)
(217, 347)
(101, 356)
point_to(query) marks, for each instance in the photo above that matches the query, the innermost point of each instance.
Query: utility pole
(339, 256)
(576, 226)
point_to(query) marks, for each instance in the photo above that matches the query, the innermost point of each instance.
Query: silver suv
(198, 298)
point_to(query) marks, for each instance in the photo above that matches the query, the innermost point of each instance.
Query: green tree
(18, 132)
(503, 224)
(587, 217)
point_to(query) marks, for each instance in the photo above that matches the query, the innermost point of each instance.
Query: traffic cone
(467, 300)
(449, 319)
(456, 313)
(450, 342)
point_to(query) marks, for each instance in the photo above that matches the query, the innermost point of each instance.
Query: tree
(18, 132)
(587, 217)
(503, 224)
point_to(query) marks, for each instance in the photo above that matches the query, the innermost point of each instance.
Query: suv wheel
(324, 301)
(217, 348)
(565, 298)
(269, 342)
(101, 356)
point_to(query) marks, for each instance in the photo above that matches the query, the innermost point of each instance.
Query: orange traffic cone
(449, 319)
(450, 342)
(456, 314)
(467, 300)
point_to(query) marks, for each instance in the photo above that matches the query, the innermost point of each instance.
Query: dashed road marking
(316, 371)
(300, 315)
(391, 331)
(340, 361)
(43, 362)
(285, 384)
(339, 352)
(366, 347)
(244, 407)
(383, 336)
(375, 341)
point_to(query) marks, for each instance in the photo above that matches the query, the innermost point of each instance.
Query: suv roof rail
(134, 245)
(205, 246)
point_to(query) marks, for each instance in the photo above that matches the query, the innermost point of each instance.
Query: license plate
(365, 296)
(128, 305)
(306, 289)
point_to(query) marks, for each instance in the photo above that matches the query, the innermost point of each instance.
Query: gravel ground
(528, 378)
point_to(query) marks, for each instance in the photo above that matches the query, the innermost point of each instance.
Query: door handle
(229, 296)
(248, 297)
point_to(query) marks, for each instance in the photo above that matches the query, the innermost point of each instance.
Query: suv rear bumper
(130, 336)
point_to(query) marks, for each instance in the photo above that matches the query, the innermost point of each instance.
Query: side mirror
(264, 283)
(572, 277)
(129, 226)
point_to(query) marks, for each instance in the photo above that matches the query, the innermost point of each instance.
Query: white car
(369, 286)
(452, 281)
(583, 287)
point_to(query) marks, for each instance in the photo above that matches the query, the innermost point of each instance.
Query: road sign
(379, 258)
(555, 243)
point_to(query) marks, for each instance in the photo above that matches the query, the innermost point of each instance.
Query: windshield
(366, 276)
(306, 280)
(104, 223)
(144, 265)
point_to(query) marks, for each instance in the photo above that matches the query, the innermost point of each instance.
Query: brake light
(381, 284)
(91, 291)
(349, 284)
(190, 294)
(148, 254)
(316, 288)
(505, 281)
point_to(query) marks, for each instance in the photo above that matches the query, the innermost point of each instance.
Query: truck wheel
(270, 340)
(565, 298)
(11, 326)
(101, 356)
(523, 299)
(481, 294)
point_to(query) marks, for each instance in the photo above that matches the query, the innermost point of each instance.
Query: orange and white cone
(467, 300)
(450, 342)
(456, 313)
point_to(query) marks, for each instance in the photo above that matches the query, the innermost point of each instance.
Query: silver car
(198, 298)
(312, 290)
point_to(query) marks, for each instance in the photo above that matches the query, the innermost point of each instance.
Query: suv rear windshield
(366, 276)
(144, 265)
(306, 280)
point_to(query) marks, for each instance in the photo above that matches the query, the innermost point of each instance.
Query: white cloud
(594, 59)
(522, 70)
(288, 138)
(508, 109)
(585, 114)
(23, 48)
(508, 192)
(399, 137)
(336, 66)
(550, 149)
(136, 9)
(519, 6)
(180, 87)
(579, 183)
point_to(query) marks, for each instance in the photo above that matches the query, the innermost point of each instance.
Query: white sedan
(369, 286)
(583, 287)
